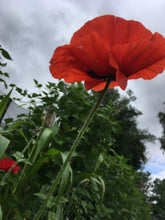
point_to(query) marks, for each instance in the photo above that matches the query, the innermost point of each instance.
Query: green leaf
(50, 202)
(5, 54)
(39, 85)
(99, 161)
(51, 215)
(40, 195)
(6, 74)
(22, 134)
(60, 212)
(102, 184)
(43, 141)
(8, 120)
(55, 128)
(18, 214)
(0, 213)
(65, 184)
(2, 80)
(3, 64)
(4, 142)
(35, 81)
(12, 85)
(19, 156)
(51, 153)
(4, 102)
(14, 126)
(19, 90)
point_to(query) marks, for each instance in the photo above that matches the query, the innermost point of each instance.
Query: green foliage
(130, 141)
(145, 183)
(0, 213)
(161, 116)
(5, 99)
(157, 199)
(97, 183)
(4, 103)
(122, 194)
(3, 145)
(4, 53)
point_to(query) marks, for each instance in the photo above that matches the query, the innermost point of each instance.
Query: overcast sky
(31, 29)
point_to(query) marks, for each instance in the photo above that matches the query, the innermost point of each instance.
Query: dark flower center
(92, 74)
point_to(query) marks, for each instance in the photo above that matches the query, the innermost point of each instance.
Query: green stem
(75, 144)
(21, 175)
(30, 159)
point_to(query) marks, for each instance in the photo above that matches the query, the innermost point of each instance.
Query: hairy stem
(73, 148)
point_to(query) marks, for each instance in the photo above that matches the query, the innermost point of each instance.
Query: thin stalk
(21, 175)
(74, 146)
(30, 159)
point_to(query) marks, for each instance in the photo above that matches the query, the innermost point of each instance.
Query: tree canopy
(130, 141)
(158, 199)
(161, 116)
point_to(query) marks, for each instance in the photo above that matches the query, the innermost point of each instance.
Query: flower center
(92, 74)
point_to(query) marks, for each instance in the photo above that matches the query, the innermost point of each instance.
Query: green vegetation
(100, 182)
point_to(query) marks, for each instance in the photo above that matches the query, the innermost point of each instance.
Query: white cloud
(156, 165)
(159, 175)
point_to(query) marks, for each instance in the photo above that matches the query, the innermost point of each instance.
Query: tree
(158, 199)
(161, 116)
(130, 141)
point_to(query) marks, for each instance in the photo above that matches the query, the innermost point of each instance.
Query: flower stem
(75, 144)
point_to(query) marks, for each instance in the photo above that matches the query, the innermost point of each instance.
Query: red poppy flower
(6, 164)
(109, 47)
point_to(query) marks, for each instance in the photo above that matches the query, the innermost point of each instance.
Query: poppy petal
(71, 62)
(91, 84)
(113, 47)
(114, 30)
(148, 55)
(65, 65)
(6, 164)
(97, 85)
(94, 52)
(121, 80)
(157, 57)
